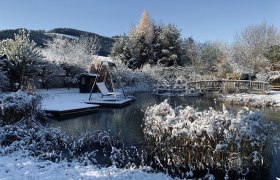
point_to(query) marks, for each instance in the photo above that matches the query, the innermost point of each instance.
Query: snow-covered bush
(100, 148)
(181, 141)
(249, 100)
(138, 79)
(30, 136)
(18, 105)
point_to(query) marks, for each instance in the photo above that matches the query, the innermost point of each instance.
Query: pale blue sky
(202, 19)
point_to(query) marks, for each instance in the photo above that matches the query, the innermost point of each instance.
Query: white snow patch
(271, 99)
(63, 99)
(20, 166)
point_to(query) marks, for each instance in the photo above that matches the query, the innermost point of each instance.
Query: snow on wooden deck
(62, 99)
(68, 106)
(111, 103)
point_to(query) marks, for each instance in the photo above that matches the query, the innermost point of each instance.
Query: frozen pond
(128, 120)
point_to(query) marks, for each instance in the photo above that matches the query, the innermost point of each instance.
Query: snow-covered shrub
(249, 100)
(138, 79)
(18, 105)
(30, 136)
(183, 140)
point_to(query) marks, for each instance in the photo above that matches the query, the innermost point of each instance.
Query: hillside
(41, 37)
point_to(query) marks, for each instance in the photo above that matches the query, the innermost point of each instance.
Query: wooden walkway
(231, 86)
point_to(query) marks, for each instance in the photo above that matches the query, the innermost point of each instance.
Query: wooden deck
(69, 110)
(231, 86)
(111, 102)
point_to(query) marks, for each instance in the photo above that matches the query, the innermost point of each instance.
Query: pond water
(127, 121)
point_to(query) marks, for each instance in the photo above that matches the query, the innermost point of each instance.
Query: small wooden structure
(111, 102)
(86, 81)
(70, 109)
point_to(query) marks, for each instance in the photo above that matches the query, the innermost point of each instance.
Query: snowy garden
(179, 142)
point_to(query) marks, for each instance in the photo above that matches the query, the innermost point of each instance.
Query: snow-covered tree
(72, 51)
(273, 55)
(121, 49)
(190, 53)
(225, 65)
(48, 71)
(149, 43)
(88, 44)
(211, 56)
(141, 38)
(144, 29)
(250, 46)
(73, 55)
(170, 42)
(23, 54)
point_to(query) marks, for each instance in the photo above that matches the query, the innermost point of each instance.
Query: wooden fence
(231, 86)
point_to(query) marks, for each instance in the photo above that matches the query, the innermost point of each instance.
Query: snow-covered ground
(19, 166)
(255, 100)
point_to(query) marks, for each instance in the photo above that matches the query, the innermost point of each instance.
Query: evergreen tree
(273, 55)
(149, 43)
(156, 45)
(121, 49)
(23, 54)
(171, 43)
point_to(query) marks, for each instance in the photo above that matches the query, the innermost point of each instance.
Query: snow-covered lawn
(255, 100)
(19, 166)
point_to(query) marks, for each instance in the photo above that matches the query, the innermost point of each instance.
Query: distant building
(86, 80)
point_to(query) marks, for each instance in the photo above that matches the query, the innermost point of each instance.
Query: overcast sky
(204, 20)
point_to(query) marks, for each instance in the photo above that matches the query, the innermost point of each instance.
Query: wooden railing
(231, 86)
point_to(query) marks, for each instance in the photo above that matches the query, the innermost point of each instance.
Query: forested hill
(41, 37)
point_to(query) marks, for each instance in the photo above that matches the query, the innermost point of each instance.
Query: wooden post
(250, 87)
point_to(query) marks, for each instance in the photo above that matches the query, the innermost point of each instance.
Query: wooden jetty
(117, 103)
(231, 86)
(70, 109)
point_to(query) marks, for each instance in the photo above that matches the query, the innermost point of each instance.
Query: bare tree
(250, 46)
(72, 51)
